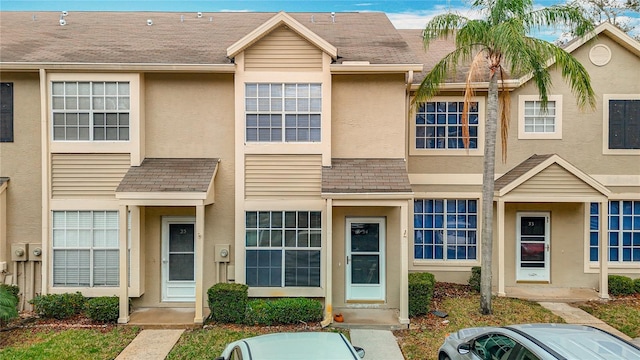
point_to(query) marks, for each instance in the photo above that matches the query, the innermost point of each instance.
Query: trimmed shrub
(283, 311)
(58, 306)
(636, 285)
(8, 305)
(105, 309)
(621, 285)
(228, 302)
(474, 280)
(420, 292)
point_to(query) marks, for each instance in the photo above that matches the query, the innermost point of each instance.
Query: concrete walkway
(377, 344)
(574, 315)
(151, 345)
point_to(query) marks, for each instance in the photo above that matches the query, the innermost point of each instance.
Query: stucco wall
(368, 116)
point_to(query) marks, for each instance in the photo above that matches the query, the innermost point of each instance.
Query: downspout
(328, 300)
(407, 130)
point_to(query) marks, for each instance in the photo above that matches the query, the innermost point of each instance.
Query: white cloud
(418, 19)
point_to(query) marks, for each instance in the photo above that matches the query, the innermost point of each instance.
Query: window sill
(449, 265)
(94, 291)
(616, 267)
(286, 292)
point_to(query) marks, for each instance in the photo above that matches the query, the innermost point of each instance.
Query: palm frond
(559, 15)
(442, 26)
(472, 76)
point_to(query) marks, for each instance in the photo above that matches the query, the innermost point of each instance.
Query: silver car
(536, 342)
(300, 345)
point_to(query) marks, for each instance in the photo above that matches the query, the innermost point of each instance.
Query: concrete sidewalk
(377, 344)
(151, 345)
(573, 315)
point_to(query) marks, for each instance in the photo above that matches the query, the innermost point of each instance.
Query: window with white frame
(624, 124)
(85, 248)
(276, 112)
(283, 248)
(445, 229)
(439, 125)
(536, 121)
(90, 110)
(623, 232)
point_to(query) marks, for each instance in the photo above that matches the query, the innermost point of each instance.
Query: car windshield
(591, 344)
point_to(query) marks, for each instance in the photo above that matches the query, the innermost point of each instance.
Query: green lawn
(622, 314)
(81, 344)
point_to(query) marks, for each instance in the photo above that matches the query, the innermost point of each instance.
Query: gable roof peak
(280, 19)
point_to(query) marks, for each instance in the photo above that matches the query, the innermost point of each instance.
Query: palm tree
(495, 46)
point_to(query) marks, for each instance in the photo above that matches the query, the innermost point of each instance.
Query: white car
(299, 345)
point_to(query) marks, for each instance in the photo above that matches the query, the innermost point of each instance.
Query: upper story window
(90, 110)
(439, 125)
(624, 124)
(536, 122)
(6, 112)
(276, 112)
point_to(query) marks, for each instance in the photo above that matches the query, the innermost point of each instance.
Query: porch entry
(533, 250)
(178, 259)
(365, 241)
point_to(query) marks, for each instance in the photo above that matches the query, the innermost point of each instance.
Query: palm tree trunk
(488, 180)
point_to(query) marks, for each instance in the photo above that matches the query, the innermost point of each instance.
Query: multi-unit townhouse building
(152, 155)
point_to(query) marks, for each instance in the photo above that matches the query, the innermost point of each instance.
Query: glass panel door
(178, 259)
(533, 247)
(365, 259)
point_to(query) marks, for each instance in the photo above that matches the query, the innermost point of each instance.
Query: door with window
(178, 259)
(365, 238)
(533, 250)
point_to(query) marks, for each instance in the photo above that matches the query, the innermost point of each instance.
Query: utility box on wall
(35, 251)
(222, 253)
(19, 252)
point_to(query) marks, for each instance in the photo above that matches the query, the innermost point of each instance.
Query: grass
(623, 314)
(49, 343)
(427, 333)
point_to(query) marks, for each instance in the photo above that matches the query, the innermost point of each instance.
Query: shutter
(616, 124)
(6, 112)
(632, 124)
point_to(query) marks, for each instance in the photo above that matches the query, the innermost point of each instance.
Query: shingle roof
(169, 175)
(365, 176)
(125, 37)
(520, 170)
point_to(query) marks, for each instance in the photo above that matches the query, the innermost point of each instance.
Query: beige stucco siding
(21, 161)
(283, 50)
(554, 180)
(392, 250)
(368, 116)
(87, 175)
(582, 130)
(283, 176)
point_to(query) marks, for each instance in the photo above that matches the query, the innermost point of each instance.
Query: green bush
(104, 309)
(13, 290)
(636, 285)
(228, 302)
(58, 306)
(8, 305)
(283, 311)
(421, 287)
(474, 280)
(621, 285)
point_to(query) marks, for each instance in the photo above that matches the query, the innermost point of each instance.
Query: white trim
(479, 151)
(605, 124)
(523, 134)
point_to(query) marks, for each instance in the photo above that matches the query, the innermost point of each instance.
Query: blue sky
(404, 14)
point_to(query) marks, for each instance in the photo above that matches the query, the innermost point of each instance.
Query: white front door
(365, 238)
(533, 251)
(178, 259)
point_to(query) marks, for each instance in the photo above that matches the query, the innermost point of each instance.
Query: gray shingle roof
(519, 170)
(125, 37)
(365, 176)
(169, 175)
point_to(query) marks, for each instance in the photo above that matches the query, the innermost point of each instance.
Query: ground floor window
(283, 248)
(445, 229)
(623, 231)
(85, 248)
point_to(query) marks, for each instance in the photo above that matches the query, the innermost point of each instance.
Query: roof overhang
(366, 68)
(553, 159)
(276, 21)
(93, 67)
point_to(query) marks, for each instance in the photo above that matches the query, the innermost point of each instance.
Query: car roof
(578, 341)
(300, 345)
